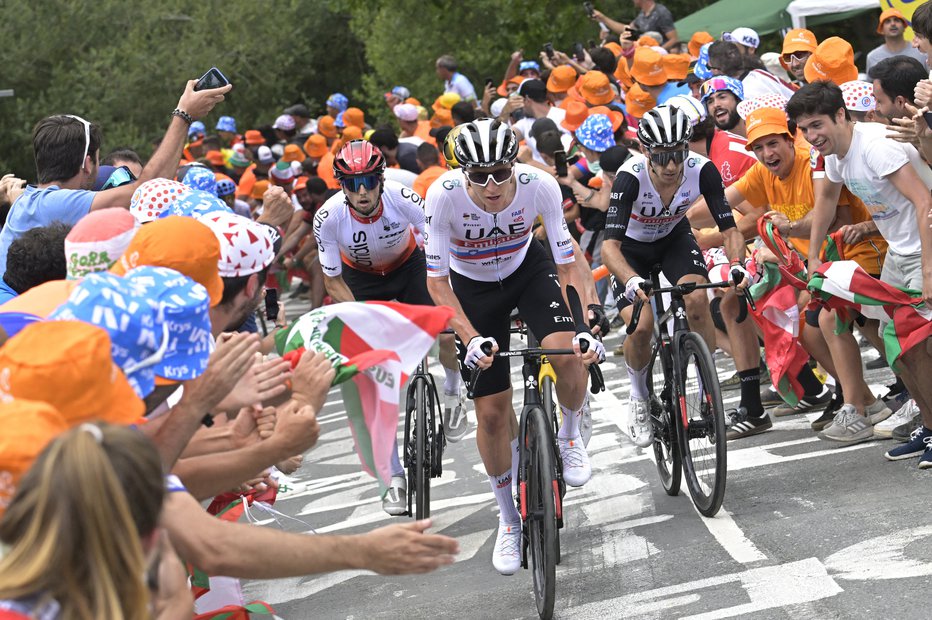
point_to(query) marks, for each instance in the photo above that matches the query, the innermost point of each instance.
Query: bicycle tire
(422, 459)
(666, 445)
(701, 426)
(541, 520)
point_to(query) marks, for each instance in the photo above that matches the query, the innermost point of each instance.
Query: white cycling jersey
(489, 247)
(379, 243)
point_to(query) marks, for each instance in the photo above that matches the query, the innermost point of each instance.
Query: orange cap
(300, 183)
(68, 365)
(887, 15)
(442, 118)
(41, 300)
(646, 41)
(258, 191)
(576, 113)
(352, 132)
(647, 68)
(614, 47)
(26, 427)
(595, 88)
(615, 116)
(215, 158)
(354, 117)
(254, 137)
(676, 66)
(639, 102)
(623, 75)
(502, 89)
(697, 41)
(292, 153)
(412, 101)
(798, 40)
(561, 79)
(833, 61)
(316, 146)
(179, 243)
(326, 127)
(764, 122)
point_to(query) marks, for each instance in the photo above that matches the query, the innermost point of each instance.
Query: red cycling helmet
(357, 158)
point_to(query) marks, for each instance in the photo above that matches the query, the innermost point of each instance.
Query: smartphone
(559, 162)
(590, 10)
(489, 82)
(572, 159)
(548, 49)
(579, 52)
(271, 304)
(212, 79)
(591, 44)
(634, 34)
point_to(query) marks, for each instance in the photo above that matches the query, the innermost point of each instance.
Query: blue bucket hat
(338, 101)
(338, 121)
(138, 338)
(183, 307)
(529, 65)
(195, 203)
(721, 82)
(199, 177)
(226, 123)
(702, 64)
(596, 133)
(197, 128)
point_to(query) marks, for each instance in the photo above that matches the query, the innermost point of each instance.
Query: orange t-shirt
(246, 182)
(423, 132)
(423, 180)
(325, 171)
(795, 197)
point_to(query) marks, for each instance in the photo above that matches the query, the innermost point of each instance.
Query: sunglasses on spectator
(797, 56)
(482, 179)
(354, 184)
(120, 176)
(87, 134)
(665, 157)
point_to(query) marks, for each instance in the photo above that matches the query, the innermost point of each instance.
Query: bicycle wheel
(541, 510)
(663, 413)
(422, 438)
(701, 426)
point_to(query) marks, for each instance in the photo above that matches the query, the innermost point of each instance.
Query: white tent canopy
(799, 10)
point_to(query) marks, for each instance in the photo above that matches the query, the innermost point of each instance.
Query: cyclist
(483, 262)
(368, 251)
(646, 226)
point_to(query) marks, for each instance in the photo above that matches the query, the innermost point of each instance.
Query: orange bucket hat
(26, 427)
(833, 61)
(576, 113)
(561, 79)
(316, 146)
(326, 127)
(647, 68)
(595, 88)
(639, 102)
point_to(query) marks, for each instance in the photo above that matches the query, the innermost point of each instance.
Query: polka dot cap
(154, 197)
(770, 100)
(859, 96)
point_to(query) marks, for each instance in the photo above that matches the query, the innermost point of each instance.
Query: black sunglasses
(664, 158)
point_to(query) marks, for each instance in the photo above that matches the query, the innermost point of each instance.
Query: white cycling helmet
(485, 143)
(664, 126)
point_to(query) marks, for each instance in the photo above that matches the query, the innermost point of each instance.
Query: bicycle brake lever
(597, 383)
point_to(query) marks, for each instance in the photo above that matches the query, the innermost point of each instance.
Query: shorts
(903, 271)
(407, 284)
(533, 289)
(678, 255)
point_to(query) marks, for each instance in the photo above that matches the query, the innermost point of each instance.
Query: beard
(730, 123)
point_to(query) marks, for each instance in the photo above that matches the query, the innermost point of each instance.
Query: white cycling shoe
(395, 501)
(576, 467)
(506, 557)
(639, 425)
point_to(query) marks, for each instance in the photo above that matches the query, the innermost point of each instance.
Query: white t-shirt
(870, 159)
(400, 175)
(460, 85)
(758, 83)
(416, 141)
(524, 126)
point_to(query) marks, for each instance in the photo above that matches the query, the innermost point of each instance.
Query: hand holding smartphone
(212, 79)
(559, 162)
(548, 49)
(590, 10)
(271, 304)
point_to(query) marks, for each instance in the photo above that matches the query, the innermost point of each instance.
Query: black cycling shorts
(678, 255)
(407, 284)
(533, 289)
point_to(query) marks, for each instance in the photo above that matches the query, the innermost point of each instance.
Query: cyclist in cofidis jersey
(482, 261)
(647, 226)
(368, 250)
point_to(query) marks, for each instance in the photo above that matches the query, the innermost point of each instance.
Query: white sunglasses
(87, 135)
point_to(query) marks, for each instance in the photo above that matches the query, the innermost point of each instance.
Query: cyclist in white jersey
(482, 261)
(646, 226)
(368, 250)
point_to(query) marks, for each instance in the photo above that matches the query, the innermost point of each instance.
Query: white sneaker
(506, 557)
(639, 424)
(585, 423)
(455, 423)
(576, 467)
(395, 501)
(904, 414)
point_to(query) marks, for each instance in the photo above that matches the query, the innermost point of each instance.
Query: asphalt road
(806, 531)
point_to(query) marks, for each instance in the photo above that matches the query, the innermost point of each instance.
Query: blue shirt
(41, 207)
(670, 90)
(6, 293)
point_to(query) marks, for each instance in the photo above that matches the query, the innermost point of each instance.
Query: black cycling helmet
(485, 143)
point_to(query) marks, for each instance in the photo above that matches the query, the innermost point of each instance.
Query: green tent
(764, 16)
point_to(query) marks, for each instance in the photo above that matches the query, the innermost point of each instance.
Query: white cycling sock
(570, 427)
(638, 379)
(397, 469)
(451, 381)
(501, 486)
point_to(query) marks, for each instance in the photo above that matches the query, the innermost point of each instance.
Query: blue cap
(195, 203)
(183, 307)
(338, 121)
(401, 92)
(338, 101)
(721, 82)
(225, 187)
(138, 338)
(14, 322)
(197, 128)
(226, 123)
(596, 133)
(199, 177)
(702, 63)
(529, 65)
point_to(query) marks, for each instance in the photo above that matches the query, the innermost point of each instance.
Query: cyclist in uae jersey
(646, 226)
(368, 251)
(483, 262)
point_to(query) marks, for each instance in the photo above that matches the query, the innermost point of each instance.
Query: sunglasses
(120, 176)
(664, 158)
(482, 179)
(87, 134)
(796, 56)
(354, 184)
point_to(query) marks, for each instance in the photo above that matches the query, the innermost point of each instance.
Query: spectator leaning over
(652, 17)
(453, 81)
(429, 159)
(36, 257)
(892, 25)
(726, 59)
(746, 39)
(67, 149)
(894, 80)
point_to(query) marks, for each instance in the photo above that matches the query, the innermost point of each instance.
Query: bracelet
(207, 420)
(589, 197)
(183, 115)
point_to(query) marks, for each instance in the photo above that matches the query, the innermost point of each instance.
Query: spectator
(922, 29)
(462, 112)
(35, 257)
(892, 25)
(226, 131)
(746, 39)
(336, 103)
(833, 61)
(798, 46)
(97, 241)
(428, 157)
(301, 117)
(652, 17)
(454, 82)
(895, 79)
(560, 80)
(396, 154)
(124, 157)
(413, 131)
(397, 95)
(726, 59)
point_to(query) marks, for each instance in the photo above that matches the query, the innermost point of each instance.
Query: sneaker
(585, 423)
(395, 501)
(878, 412)
(506, 557)
(828, 414)
(769, 397)
(918, 443)
(897, 401)
(639, 424)
(455, 423)
(576, 468)
(895, 388)
(731, 383)
(903, 415)
(805, 404)
(925, 461)
(876, 364)
(904, 431)
(748, 426)
(849, 427)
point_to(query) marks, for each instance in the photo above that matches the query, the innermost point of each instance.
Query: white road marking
(884, 557)
(732, 539)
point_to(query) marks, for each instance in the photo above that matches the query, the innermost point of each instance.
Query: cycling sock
(809, 382)
(638, 379)
(570, 427)
(750, 392)
(397, 469)
(514, 460)
(501, 486)
(451, 381)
